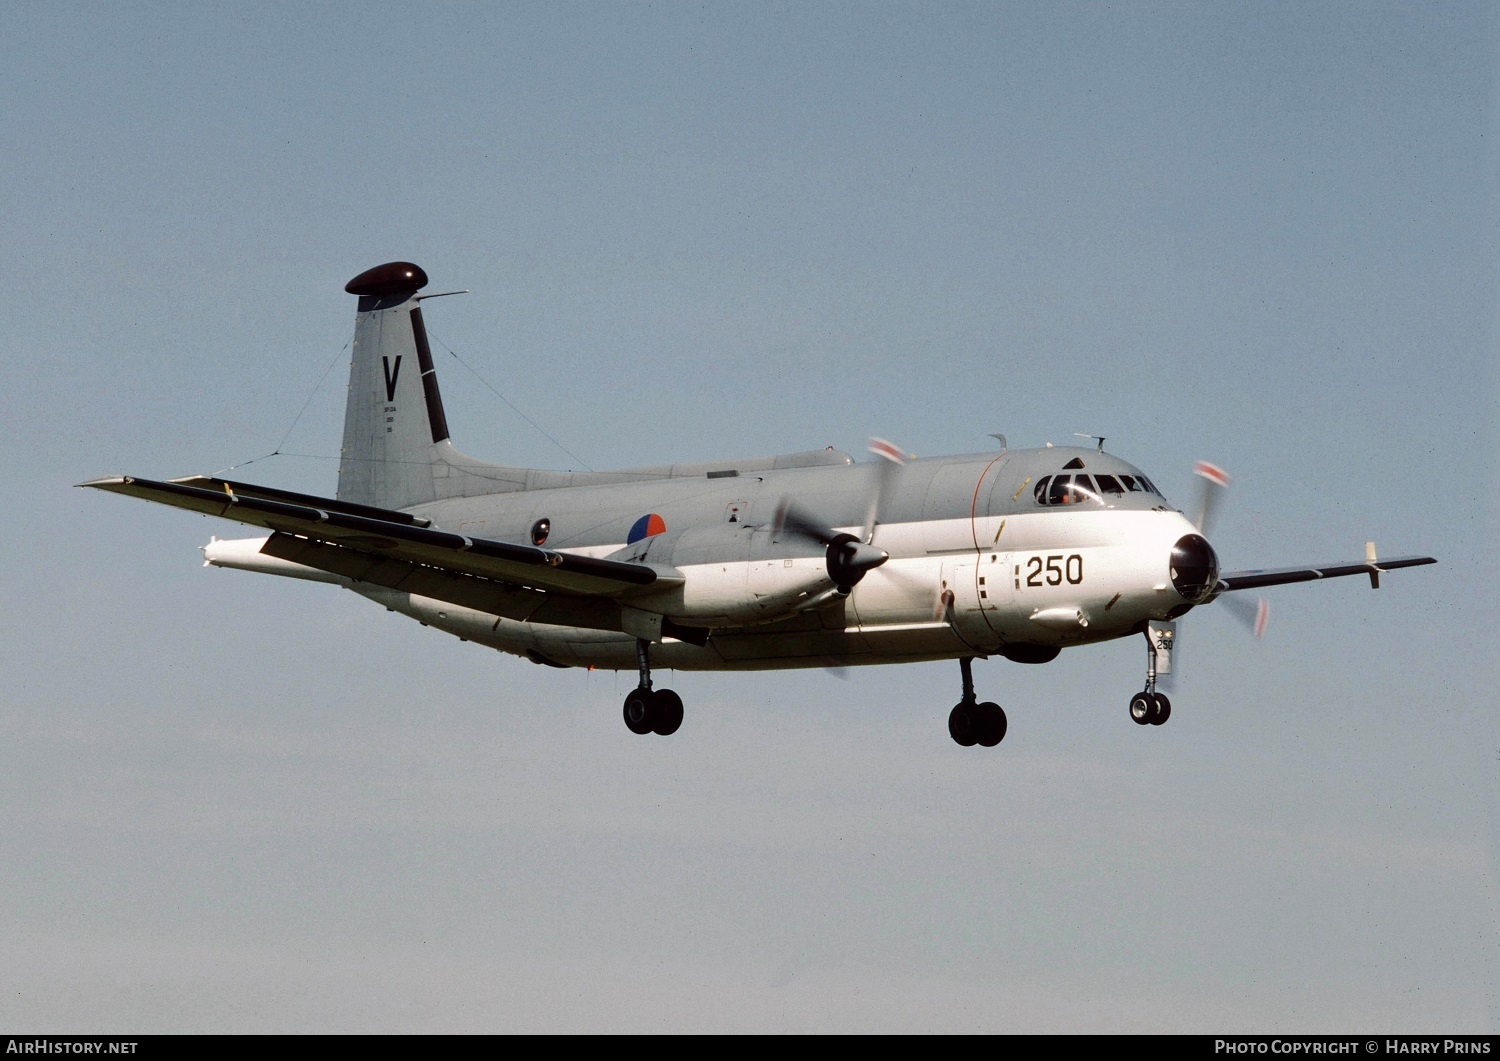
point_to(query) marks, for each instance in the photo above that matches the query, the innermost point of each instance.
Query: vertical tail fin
(396, 450)
(394, 413)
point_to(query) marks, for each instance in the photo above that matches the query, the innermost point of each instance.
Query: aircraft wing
(1235, 580)
(384, 535)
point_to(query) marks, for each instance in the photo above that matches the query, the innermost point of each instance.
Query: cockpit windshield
(1081, 489)
(1066, 490)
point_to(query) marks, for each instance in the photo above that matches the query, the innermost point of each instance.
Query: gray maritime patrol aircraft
(798, 560)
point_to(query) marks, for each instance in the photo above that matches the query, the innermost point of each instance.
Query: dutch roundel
(646, 527)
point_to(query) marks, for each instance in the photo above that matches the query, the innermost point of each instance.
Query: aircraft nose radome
(388, 279)
(1194, 568)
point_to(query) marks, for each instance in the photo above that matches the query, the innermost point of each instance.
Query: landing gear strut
(650, 710)
(1150, 708)
(971, 723)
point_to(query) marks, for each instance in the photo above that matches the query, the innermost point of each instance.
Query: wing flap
(397, 535)
(484, 595)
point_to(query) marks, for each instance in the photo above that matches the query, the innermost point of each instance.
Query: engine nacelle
(735, 575)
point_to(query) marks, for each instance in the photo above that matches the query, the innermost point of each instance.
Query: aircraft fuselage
(978, 564)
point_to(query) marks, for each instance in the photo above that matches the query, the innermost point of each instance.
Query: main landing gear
(650, 710)
(972, 723)
(1150, 708)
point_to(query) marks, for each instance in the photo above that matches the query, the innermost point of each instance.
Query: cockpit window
(1139, 484)
(1065, 490)
(1077, 489)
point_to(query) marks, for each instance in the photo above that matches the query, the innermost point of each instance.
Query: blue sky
(1261, 235)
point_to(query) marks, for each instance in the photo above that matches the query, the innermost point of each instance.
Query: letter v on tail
(392, 373)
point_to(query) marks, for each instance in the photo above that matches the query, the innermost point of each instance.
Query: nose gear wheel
(1150, 709)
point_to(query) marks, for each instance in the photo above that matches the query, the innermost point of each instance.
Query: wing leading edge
(1237, 580)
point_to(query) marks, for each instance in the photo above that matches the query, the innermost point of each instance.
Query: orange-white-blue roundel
(645, 527)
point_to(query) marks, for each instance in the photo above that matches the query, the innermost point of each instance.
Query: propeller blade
(1215, 481)
(1253, 617)
(890, 466)
(791, 520)
(849, 558)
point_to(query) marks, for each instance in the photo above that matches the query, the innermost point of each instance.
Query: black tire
(638, 712)
(962, 725)
(992, 724)
(1162, 710)
(1142, 707)
(666, 712)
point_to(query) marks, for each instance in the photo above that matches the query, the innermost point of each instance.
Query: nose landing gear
(1150, 708)
(970, 722)
(649, 710)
